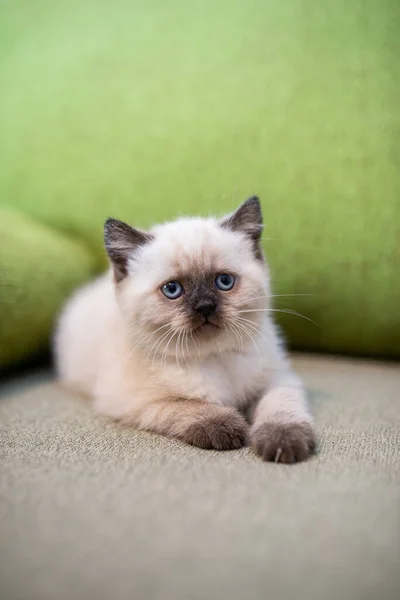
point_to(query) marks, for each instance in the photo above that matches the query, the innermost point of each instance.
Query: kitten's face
(194, 286)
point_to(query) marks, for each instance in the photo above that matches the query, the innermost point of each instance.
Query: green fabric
(143, 110)
(93, 511)
(38, 268)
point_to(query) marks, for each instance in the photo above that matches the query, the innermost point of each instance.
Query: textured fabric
(143, 110)
(38, 268)
(92, 511)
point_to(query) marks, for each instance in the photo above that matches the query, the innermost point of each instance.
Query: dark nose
(206, 308)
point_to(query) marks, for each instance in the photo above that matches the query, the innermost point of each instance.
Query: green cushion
(145, 110)
(38, 268)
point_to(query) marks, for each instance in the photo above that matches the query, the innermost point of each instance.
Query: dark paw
(226, 430)
(288, 443)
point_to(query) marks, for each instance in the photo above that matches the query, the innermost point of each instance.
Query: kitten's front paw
(226, 430)
(284, 443)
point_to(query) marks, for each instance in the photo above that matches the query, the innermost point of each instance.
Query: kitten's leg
(195, 422)
(282, 429)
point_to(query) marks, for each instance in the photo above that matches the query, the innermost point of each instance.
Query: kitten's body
(160, 364)
(96, 357)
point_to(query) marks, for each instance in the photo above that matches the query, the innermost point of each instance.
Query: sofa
(145, 111)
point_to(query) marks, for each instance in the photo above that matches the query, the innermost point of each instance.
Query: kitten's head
(193, 286)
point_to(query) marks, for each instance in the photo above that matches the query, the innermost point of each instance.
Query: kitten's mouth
(206, 325)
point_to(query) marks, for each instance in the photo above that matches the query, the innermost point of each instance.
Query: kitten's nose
(206, 308)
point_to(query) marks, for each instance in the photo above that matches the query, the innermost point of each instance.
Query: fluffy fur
(206, 367)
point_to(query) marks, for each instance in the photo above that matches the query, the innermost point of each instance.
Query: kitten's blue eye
(225, 282)
(172, 290)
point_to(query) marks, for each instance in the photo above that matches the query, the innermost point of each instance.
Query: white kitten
(178, 339)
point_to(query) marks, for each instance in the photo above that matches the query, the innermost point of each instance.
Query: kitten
(177, 338)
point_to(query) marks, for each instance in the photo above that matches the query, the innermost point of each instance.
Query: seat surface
(91, 510)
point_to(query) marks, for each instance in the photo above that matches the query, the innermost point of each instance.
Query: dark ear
(248, 220)
(121, 242)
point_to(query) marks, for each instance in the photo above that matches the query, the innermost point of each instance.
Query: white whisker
(195, 345)
(248, 332)
(164, 354)
(156, 346)
(143, 339)
(282, 310)
(177, 347)
(238, 337)
(257, 328)
(185, 339)
(266, 296)
(288, 295)
(184, 343)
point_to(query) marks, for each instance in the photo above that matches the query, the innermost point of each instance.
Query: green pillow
(38, 269)
(145, 110)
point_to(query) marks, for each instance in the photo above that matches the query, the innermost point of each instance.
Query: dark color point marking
(285, 443)
(227, 432)
(206, 308)
(121, 240)
(248, 220)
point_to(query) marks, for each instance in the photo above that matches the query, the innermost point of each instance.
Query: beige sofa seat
(94, 511)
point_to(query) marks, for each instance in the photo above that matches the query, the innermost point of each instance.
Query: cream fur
(107, 346)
